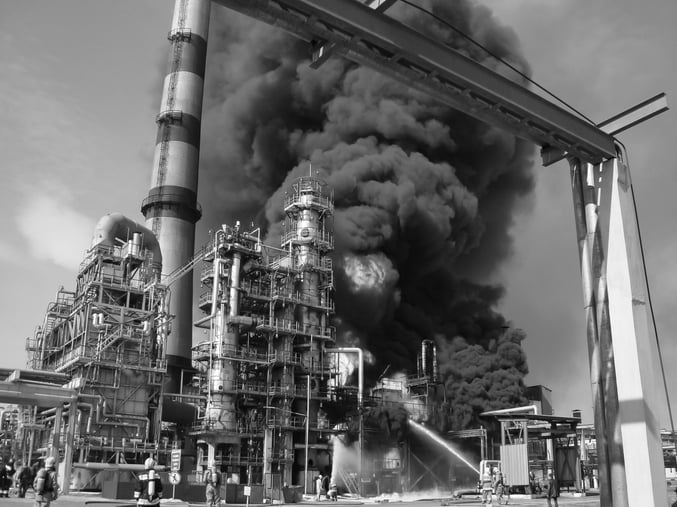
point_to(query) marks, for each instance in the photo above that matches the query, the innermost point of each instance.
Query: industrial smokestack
(171, 207)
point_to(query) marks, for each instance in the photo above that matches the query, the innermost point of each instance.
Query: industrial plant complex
(264, 397)
(248, 374)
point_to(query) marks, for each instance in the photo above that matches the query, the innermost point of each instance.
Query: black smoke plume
(425, 195)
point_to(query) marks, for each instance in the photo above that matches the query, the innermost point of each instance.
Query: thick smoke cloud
(425, 196)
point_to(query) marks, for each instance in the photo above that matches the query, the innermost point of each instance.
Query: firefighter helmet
(50, 462)
(149, 463)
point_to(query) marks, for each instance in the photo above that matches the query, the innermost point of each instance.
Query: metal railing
(294, 327)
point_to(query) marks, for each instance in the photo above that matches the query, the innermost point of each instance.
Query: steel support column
(621, 338)
(591, 261)
(56, 439)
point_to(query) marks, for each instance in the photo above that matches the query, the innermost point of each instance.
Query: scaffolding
(107, 337)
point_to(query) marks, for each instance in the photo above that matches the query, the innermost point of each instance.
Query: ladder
(106, 341)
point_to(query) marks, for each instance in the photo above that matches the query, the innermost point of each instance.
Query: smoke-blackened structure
(424, 195)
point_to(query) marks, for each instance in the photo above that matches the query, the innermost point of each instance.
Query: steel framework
(107, 338)
(263, 371)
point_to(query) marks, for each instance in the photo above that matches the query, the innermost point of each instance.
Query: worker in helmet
(486, 484)
(24, 478)
(212, 480)
(333, 491)
(45, 485)
(9, 479)
(148, 489)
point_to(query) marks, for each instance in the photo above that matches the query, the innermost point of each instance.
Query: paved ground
(79, 501)
(97, 501)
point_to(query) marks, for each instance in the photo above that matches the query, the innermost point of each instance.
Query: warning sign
(176, 460)
(174, 478)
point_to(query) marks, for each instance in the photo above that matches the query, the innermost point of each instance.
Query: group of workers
(324, 485)
(16, 478)
(492, 481)
(148, 491)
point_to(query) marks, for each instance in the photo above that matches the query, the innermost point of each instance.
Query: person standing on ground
(551, 489)
(24, 478)
(486, 484)
(318, 487)
(148, 489)
(45, 485)
(9, 472)
(212, 480)
(325, 485)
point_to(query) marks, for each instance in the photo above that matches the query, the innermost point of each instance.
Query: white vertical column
(633, 338)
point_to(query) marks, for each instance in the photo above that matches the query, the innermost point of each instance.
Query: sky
(81, 85)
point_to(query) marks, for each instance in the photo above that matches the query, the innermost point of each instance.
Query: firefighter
(149, 486)
(333, 491)
(486, 484)
(24, 478)
(45, 485)
(212, 480)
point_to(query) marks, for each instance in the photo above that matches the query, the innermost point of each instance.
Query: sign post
(247, 492)
(174, 475)
(174, 479)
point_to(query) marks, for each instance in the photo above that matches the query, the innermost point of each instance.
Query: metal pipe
(305, 482)
(514, 410)
(215, 292)
(91, 414)
(611, 408)
(234, 295)
(424, 357)
(91, 465)
(101, 411)
(579, 184)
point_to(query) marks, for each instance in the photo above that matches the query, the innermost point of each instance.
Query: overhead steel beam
(637, 114)
(370, 38)
(621, 122)
(325, 51)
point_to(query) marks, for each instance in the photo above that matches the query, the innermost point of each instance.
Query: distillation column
(223, 427)
(171, 207)
(309, 239)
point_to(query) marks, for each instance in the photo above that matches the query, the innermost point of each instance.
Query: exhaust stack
(171, 208)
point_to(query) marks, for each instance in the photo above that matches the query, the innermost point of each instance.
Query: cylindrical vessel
(171, 207)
